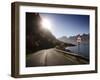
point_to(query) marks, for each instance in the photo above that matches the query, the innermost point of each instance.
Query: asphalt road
(52, 57)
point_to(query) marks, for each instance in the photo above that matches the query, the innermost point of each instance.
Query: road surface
(52, 57)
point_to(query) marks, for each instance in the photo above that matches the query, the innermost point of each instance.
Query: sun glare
(46, 24)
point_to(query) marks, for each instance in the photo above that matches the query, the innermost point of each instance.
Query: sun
(46, 24)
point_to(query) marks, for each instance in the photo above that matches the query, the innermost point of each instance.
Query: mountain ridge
(73, 39)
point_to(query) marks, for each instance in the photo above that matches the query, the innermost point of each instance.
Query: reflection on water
(84, 49)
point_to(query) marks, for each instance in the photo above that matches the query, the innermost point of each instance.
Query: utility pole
(79, 41)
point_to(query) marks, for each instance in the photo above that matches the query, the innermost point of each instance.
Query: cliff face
(38, 38)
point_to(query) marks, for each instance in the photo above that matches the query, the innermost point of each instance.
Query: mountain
(73, 39)
(38, 38)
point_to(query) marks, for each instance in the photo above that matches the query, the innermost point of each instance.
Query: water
(84, 50)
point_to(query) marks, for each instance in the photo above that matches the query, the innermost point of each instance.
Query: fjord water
(84, 49)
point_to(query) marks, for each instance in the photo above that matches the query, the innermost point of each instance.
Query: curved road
(52, 57)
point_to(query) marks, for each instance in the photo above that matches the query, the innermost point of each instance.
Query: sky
(67, 24)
